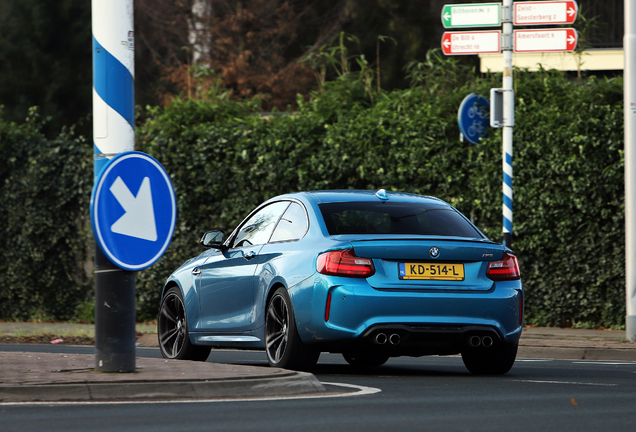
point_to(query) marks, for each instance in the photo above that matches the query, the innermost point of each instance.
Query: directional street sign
(545, 12)
(471, 42)
(472, 15)
(544, 40)
(525, 13)
(133, 210)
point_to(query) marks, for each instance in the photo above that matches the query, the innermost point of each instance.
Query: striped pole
(113, 133)
(113, 79)
(629, 113)
(507, 186)
(509, 121)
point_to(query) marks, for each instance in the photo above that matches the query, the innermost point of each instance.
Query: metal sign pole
(113, 133)
(629, 101)
(509, 120)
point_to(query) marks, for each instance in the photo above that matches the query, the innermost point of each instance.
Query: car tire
(282, 343)
(365, 359)
(496, 360)
(172, 330)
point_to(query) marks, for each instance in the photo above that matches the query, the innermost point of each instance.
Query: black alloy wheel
(172, 330)
(282, 342)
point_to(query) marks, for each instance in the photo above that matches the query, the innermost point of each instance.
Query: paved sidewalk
(575, 344)
(29, 376)
(47, 377)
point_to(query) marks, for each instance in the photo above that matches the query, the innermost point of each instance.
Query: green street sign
(472, 15)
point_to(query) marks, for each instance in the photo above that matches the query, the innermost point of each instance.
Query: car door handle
(196, 271)
(248, 256)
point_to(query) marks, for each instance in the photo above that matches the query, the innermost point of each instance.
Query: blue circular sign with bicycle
(133, 210)
(474, 117)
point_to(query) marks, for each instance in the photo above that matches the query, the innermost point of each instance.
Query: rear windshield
(395, 218)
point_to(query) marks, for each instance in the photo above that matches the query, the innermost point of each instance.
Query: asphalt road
(422, 394)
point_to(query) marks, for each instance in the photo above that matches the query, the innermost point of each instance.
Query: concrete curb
(296, 383)
(566, 353)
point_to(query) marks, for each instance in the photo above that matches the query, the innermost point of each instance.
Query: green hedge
(224, 159)
(45, 233)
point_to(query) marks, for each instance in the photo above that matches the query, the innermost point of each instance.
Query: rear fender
(185, 281)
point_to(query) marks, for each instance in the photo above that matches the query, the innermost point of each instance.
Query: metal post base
(115, 362)
(630, 327)
(507, 240)
(115, 332)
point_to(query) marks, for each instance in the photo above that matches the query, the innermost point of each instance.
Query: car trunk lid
(442, 263)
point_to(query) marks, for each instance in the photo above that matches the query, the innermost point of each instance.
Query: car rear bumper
(424, 322)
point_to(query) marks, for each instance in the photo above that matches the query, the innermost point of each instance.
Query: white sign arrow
(139, 219)
(571, 11)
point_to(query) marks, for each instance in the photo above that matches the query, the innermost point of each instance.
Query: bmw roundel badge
(434, 252)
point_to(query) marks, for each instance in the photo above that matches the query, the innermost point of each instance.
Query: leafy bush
(45, 188)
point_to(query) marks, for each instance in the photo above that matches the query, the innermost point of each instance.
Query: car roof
(352, 195)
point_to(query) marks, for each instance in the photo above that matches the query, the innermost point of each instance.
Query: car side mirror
(213, 239)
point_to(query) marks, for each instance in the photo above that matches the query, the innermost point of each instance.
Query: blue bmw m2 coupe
(367, 274)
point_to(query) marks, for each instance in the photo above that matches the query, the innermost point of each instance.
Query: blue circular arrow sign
(474, 117)
(133, 210)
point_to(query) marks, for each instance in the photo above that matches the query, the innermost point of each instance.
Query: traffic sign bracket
(506, 42)
(506, 14)
(498, 118)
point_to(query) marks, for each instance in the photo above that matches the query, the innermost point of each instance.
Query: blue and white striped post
(629, 113)
(113, 133)
(113, 79)
(507, 186)
(508, 122)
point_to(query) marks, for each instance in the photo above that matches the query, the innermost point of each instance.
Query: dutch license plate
(432, 271)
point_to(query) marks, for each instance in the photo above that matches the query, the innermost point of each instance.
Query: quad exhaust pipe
(476, 341)
(382, 338)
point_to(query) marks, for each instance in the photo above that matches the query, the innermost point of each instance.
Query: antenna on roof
(382, 194)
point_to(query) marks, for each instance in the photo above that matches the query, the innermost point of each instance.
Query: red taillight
(344, 263)
(506, 269)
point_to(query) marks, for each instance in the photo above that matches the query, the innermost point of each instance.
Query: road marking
(604, 363)
(362, 391)
(566, 382)
(534, 360)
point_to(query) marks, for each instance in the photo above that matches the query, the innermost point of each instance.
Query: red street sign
(544, 40)
(545, 12)
(471, 42)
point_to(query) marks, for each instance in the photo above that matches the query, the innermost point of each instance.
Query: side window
(257, 229)
(292, 226)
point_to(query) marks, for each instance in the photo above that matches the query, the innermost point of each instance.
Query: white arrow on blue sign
(133, 210)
